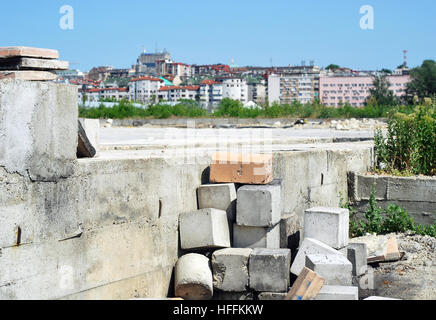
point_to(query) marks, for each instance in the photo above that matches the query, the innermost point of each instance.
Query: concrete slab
(28, 75)
(32, 64)
(338, 293)
(8, 52)
(259, 206)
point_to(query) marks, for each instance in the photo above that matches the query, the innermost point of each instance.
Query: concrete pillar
(193, 278)
(38, 129)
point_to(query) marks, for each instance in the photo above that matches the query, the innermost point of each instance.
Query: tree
(386, 71)
(333, 67)
(380, 93)
(423, 81)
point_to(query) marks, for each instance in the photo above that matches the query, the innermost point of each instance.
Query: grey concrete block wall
(415, 194)
(38, 126)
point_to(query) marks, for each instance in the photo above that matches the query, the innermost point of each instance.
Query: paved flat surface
(120, 138)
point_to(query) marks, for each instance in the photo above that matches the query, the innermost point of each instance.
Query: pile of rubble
(34, 64)
(238, 244)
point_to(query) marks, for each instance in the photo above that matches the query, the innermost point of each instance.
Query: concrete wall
(107, 228)
(415, 194)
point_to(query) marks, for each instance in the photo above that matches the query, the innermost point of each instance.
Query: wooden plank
(8, 52)
(84, 147)
(20, 63)
(307, 286)
(28, 75)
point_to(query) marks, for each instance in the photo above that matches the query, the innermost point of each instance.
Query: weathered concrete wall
(415, 194)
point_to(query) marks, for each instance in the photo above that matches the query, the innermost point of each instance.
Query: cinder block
(269, 270)
(334, 268)
(338, 293)
(357, 254)
(193, 278)
(245, 168)
(256, 237)
(259, 206)
(218, 196)
(272, 296)
(329, 225)
(206, 228)
(230, 269)
(310, 246)
(290, 232)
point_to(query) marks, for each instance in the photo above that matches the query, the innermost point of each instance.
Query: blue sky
(112, 32)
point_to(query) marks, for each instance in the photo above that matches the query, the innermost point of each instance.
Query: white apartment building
(177, 93)
(211, 94)
(96, 94)
(235, 88)
(294, 87)
(145, 89)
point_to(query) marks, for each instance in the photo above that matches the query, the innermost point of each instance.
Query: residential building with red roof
(145, 89)
(177, 93)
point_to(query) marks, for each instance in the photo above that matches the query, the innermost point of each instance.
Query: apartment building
(176, 69)
(177, 93)
(147, 63)
(145, 89)
(257, 93)
(211, 94)
(234, 88)
(287, 88)
(355, 90)
(96, 94)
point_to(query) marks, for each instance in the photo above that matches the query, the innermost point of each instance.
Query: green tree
(332, 67)
(423, 83)
(381, 93)
(386, 71)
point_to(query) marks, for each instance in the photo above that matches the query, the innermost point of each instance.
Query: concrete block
(334, 268)
(357, 255)
(310, 246)
(193, 278)
(243, 168)
(28, 75)
(38, 128)
(9, 52)
(230, 269)
(290, 232)
(256, 237)
(338, 293)
(205, 228)
(20, 63)
(259, 206)
(272, 296)
(233, 296)
(218, 196)
(269, 270)
(329, 225)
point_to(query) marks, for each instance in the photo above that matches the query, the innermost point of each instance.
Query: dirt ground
(413, 277)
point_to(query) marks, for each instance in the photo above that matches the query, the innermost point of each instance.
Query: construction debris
(306, 287)
(380, 248)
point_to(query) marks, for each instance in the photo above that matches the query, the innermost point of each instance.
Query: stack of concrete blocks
(34, 64)
(327, 251)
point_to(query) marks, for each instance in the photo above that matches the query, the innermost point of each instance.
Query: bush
(410, 145)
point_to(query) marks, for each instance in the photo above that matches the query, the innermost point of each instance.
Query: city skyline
(252, 33)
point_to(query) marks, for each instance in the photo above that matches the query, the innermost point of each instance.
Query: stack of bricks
(238, 226)
(32, 64)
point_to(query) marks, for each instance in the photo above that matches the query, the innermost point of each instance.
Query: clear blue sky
(109, 32)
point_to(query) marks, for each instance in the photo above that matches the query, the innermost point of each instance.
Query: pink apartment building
(334, 91)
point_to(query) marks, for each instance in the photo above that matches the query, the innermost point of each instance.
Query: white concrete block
(206, 228)
(259, 206)
(218, 196)
(357, 254)
(338, 293)
(334, 268)
(193, 278)
(256, 237)
(269, 270)
(329, 225)
(230, 269)
(310, 246)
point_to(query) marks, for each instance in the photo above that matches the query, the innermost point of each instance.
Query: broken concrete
(256, 237)
(381, 248)
(269, 270)
(259, 206)
(205, 228)
(328, 225)
(230, 269)
(193, 278)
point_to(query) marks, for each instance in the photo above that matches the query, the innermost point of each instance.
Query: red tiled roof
(169, 88)
(107, 89)
(146, 78)
(209, 82)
